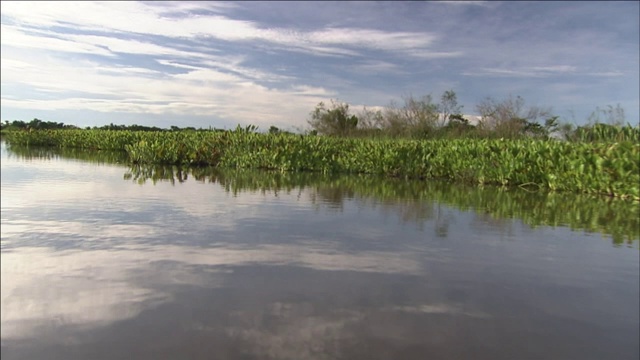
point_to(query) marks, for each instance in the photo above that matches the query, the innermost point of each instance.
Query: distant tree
(274, 130)
(510, 117)
(333, 120)
(370, 119)
(458, 119)
(416, 117)
(35, 124)
(448, 106)
(611, 115)
(457, 126)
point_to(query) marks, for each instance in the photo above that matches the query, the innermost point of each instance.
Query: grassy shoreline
(611, 169)
(415, 200)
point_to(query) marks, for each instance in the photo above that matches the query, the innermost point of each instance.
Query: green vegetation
(49, 153)
(599, 167)
(510, 118)
(414, 201)
(617, 218)
(37, 124)
(508, 146)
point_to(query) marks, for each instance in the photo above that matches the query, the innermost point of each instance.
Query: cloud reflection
(247, 272)
(98, 287)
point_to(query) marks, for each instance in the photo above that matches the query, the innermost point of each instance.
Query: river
(101, 260)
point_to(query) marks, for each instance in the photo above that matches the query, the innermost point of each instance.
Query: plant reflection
(417, 201)
(50, 153)
(420, 201)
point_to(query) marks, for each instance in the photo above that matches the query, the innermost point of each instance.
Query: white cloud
(149, 20)
(427, 54)
(465, 3)
(128, 46)
(199, 91)
(46, 47)
(11, 36)
(555, 68)
(606, 73)
(211, 85)
(531, 71)
(373, 39)
(376, 66)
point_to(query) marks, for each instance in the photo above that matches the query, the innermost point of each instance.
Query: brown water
(98, 263)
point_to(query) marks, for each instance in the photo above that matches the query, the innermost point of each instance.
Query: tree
(334, 120)
(509, 117)
(417, 117)
(448, 106)
(611, 115)
(370, 119)
(274, 130)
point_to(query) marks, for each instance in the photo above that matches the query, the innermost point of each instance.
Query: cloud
(228, 91)
(152, 20)
(255, 59)
(202, 81)
(532, 71)
(606, 74)
(12, 36)
(376, 66)
(465, 3)
(78, 277)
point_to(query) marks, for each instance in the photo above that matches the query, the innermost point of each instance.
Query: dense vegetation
(510, 118)
(37, 124)
(506, 146)
(596, 167)
(413, 201)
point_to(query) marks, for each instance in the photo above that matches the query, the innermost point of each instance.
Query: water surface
(105, 261)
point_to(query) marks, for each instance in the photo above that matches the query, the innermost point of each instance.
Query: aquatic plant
(611, 168)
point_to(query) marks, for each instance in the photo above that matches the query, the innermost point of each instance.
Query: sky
(220, 64)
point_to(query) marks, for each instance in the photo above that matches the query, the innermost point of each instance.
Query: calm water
(103, 261)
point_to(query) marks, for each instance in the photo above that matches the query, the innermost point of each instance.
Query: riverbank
(611, 169)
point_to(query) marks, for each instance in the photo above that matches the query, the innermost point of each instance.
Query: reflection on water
(196, 263)
(419, 201)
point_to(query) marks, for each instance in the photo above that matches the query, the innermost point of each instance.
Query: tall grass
(600, 167)
(605, 133)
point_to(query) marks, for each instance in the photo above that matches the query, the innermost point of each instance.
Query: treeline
(422, 118)
(37, 124)
(510, 118)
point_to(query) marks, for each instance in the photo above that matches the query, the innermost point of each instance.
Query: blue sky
(269, 63)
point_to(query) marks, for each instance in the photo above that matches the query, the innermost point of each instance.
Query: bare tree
(370, 119)
(509, 116)
(414, 117)
(448, 106)
(611, 115)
